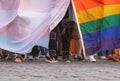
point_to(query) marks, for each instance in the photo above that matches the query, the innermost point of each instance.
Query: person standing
(54, 44)
(69, 31)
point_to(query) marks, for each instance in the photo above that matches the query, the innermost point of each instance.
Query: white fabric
(25, 23)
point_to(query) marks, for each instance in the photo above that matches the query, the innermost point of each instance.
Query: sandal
(19, 58)
(113, 57)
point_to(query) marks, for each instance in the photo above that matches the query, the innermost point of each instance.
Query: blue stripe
(104, 34)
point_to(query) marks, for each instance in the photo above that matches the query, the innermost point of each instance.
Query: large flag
(25, 23)
(99, 22)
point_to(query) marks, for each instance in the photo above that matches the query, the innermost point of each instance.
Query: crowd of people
(60, 46)
(39, 52)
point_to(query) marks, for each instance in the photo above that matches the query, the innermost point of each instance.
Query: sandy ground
(103, 70)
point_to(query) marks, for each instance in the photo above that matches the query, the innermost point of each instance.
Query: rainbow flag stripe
(99, 23)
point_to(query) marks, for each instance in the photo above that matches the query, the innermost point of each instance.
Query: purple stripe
(101, 46)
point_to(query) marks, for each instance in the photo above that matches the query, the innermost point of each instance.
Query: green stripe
(96, 25)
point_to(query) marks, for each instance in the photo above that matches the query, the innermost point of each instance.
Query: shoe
(30, 57)
(47, 57)
(20, 58)
(92, 58)
(68, 61)
(51, 61)
(54, 60)
(102, 57)
(79, 58)
(75, 56)
(48, 61)
(113, 57)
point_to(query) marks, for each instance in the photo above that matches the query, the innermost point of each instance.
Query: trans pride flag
(25, 23)
(99, 22)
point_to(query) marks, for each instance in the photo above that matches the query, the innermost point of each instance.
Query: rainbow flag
(99, 22)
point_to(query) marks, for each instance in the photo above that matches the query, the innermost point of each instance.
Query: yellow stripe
(98, 12)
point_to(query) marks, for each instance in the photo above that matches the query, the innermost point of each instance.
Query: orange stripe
(82, 5)
(98, 12)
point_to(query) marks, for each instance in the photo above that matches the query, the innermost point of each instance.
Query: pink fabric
(25, 23)
(9, 4)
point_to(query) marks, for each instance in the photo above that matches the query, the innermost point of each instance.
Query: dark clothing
(43, 51)
(53, 43)
(67, 32)
(66, 37)
(62, 33)
(35, 51)
(105, 53)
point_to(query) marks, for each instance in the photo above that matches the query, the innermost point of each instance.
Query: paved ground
(103, 70)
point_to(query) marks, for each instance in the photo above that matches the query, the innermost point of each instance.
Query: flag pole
(79, 28)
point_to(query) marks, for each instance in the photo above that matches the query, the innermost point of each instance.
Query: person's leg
(117, 51)
(114, 55)
(43, 52)
(66, 49)
(0, 53)
(109, 52)
(52, 50)
(102, 55)
(66, 37)
(79, 49)
(53, 45)
(59, 42)
(34, 53)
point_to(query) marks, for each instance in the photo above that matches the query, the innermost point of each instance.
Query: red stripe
(82, 5)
